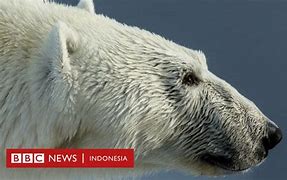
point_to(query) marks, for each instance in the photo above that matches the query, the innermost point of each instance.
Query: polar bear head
(117, 86)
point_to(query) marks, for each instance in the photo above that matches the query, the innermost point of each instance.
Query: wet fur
(71, 78)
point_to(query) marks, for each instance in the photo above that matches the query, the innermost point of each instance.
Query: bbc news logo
(27, 158)
(70, 158)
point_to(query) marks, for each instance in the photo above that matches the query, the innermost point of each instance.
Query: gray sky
(245, 43)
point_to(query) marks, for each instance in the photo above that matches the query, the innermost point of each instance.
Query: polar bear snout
(224, 132)
(274, 136)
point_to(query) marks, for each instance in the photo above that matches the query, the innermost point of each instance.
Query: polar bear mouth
(222, 162)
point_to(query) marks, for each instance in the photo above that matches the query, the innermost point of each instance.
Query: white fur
(39, 42)
(69, 78)
(87, 5)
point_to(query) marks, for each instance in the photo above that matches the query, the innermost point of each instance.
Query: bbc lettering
(27, 158)
(69, 158)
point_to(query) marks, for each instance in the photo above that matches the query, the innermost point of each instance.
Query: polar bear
(70, 78)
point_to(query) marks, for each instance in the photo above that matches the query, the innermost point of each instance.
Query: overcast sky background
(245, 43)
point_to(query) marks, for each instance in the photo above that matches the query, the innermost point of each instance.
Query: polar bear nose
(274, 136)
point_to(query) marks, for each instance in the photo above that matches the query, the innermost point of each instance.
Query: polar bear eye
(190, 79)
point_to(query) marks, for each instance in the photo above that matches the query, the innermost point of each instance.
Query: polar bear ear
(61, 43)
(87, 5)
(55, 66)
(53, 72)
(54, 85)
